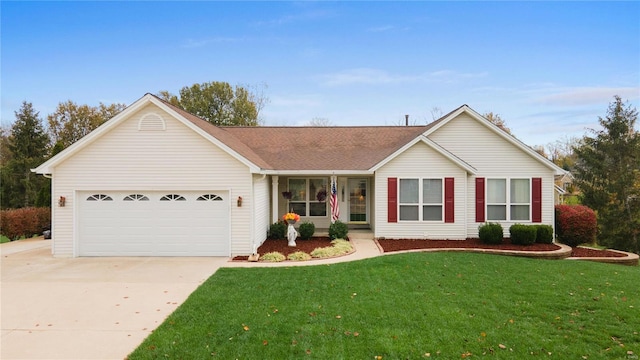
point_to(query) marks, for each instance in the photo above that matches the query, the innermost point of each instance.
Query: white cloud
(588, 95)
(377, 76)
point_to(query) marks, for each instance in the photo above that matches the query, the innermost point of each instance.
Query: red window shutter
(536, 200)
(448, 200)
(479, 199)
(392, 200)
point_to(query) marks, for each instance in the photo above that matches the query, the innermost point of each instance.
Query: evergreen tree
(607, 173)
(28, 146)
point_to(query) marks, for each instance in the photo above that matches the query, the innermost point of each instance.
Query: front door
(358, 203)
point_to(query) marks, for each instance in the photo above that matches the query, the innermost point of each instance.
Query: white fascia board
(510, 138)
(316, 172)
(439, 149)
(253, 168)
(47, 166)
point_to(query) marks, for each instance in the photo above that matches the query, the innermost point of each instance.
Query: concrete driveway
(88, 308)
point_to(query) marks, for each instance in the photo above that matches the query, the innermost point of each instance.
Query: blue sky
(549, 69)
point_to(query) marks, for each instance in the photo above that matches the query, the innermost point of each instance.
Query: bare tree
(320, 122)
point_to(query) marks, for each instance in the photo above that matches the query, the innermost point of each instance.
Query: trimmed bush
(306, 230)
(272, 257)
(277, 230)
(544, 234)
(575, 224)
(491, 233)
(338, 230)
(299, 256)
(523, 234)
(27, 222)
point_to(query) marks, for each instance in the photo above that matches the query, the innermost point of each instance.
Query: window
(305, 199)
(209, 197)
(173, 197)
(512, 205)
(136, 197)
(421, 200)
(99, 197)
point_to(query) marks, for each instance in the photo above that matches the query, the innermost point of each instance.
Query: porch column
(274, 199)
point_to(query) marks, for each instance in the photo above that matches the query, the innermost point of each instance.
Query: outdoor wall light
(62, 201)
(239, 201)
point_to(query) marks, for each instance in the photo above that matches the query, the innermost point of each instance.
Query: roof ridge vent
(151, 122)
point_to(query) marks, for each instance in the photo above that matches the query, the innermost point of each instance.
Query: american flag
(333, 201)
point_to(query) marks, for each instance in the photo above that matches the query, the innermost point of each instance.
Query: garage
(153, 223)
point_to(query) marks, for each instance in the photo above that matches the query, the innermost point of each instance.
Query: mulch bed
(585, 252)
(281, 246)
(391, 245)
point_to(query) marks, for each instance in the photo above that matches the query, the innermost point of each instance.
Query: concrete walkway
(102, 308)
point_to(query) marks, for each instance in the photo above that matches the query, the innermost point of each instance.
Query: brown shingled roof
(310, 148)
(325, 148)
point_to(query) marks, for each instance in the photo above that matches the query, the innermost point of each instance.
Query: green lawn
(4, 239)
(409, 306)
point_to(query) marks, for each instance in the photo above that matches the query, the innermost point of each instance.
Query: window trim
(420, 201)
(508, 204)
(308, 197)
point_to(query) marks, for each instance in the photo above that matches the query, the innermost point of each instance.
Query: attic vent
(151, 122)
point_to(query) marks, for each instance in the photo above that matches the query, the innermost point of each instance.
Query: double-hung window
(304, 196)
(509, 199)
(420, 199)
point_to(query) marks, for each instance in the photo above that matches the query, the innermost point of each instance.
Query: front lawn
(409, 306)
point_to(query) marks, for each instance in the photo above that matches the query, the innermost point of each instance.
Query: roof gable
(432, 144)
(438, 124)
(202, 129)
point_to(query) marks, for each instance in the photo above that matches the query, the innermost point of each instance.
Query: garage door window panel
(99, 197)
(173, 197)
(136, 197)
(209, 197)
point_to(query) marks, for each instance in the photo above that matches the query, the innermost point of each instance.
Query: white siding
(420, 161)
(493, 157)
(262, 208)
(174, 159)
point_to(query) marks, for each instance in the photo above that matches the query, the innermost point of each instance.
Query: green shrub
(491, 233)
(272, 257)
(338, 230)
(306, 230)
(544, 234)
(27, 222)
(575, 224)
(277, 230)
(523, 234)
(299, 256)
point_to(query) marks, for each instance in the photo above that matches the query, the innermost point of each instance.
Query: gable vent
(151, 122)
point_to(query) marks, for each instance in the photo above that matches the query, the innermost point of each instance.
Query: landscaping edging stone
(630, 259)
(562, 253)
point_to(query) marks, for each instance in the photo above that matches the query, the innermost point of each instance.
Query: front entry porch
(309, 197)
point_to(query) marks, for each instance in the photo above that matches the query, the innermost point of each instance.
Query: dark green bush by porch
(544, 234)
(277, 230)
(338, 230)
(306, 230)
(523, 234)
(491, 233)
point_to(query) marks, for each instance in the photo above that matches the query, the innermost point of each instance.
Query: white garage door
(143, 223)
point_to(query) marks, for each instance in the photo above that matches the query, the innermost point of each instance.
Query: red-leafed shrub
(575, 224)
(27, 222)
